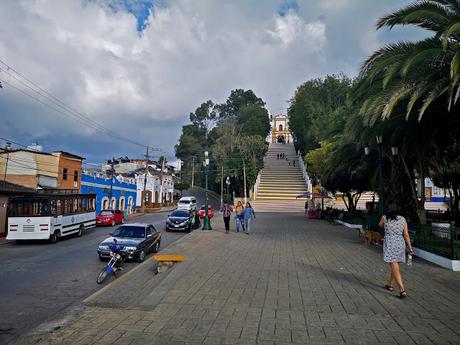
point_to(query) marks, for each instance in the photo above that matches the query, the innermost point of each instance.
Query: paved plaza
(291, 281)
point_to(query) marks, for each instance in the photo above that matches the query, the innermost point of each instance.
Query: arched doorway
(105, 203)
(281, 139)
(122, 204)
(130, 204)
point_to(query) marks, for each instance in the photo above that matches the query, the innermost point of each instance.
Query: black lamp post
(227, 181)
(207, 222)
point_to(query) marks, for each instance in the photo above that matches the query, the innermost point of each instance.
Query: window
(75, 176)
(281, 127)
(64, 174)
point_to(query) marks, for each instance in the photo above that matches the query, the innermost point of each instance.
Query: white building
(159, 188)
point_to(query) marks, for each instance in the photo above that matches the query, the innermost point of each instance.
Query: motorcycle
(114, 264)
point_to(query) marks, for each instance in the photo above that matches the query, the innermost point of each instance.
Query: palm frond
(430, 15)
(451, 30)
(421, 57)
(432, 96)
(455, 64)
(395, 98)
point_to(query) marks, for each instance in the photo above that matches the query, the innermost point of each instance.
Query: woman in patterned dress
(394, 245)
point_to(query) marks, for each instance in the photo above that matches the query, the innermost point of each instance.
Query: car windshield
(203, 208)
(179, 214)
(184, 202)
(106, 213)
(130, 232)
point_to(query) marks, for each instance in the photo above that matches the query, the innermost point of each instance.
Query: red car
(210, 211)
(110, 217)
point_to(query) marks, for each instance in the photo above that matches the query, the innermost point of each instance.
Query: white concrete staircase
(280, 179)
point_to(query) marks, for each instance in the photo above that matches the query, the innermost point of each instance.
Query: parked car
(187, 203)
(136, 240)
(201, 212)
(110, 217)
(182, 220)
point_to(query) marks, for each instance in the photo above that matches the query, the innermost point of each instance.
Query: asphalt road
(38, 280)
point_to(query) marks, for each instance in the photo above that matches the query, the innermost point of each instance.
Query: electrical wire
(62, 107)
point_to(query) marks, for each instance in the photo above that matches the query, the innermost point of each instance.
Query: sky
(139, 67)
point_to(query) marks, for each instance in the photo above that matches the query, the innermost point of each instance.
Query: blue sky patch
(139, 8)
(287, 6)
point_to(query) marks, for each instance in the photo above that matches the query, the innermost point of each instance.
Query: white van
(187, 203)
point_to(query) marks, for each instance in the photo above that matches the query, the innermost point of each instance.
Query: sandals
(402, 294)
(389, 287)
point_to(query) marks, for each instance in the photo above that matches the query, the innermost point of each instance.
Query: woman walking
(394, 245)
(239, 216)
(248, 213)
(226, 213)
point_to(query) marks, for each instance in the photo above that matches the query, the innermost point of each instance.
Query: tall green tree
(312, 111)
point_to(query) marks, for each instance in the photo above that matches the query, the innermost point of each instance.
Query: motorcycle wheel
(102, 275)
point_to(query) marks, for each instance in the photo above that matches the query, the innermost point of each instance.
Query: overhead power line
(57, 105)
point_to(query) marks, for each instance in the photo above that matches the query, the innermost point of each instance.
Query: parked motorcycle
(114, 264)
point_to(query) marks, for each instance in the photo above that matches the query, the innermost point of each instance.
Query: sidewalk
(292, 281)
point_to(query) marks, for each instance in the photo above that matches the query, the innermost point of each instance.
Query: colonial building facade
(117, 194)
(279, 129)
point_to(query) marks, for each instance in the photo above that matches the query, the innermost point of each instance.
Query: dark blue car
(136, 240)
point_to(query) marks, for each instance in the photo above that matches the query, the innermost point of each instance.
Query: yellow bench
(169, 258)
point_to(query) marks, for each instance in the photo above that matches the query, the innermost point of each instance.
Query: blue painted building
(123, 192)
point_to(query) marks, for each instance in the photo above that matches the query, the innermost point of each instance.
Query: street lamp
(207, 222)
(227, 181)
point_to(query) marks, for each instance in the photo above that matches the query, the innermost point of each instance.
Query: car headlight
(168, 221)
(130, 248)
(104, 247)
(184, 223)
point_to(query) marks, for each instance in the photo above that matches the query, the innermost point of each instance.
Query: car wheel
(113, 222)
(54, 237)
(101, 258)
(80, 231)
(141, 256)
(156, 247)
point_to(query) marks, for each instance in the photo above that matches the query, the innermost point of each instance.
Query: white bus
(50, 216)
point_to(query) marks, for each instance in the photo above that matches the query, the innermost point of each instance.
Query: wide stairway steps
(281, 179)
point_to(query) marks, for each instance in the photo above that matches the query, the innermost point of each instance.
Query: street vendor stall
(314, 208)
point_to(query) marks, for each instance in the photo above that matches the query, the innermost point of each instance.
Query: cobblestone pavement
(292, 281)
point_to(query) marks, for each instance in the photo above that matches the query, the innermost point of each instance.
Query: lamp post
(227, 181)
(207, 222)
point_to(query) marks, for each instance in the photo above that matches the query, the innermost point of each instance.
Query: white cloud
(144, 85)
(291, 27)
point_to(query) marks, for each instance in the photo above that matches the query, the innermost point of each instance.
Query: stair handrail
(256, 186)
(303, 166)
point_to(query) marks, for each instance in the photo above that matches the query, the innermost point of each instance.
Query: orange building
(36, 169)
(69, 170)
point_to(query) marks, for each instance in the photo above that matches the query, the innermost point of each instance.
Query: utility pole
(244, 176)
(222, 187)
(161, 177)
(112, 171)
(7, 150)
(193, 170)
(145, 179)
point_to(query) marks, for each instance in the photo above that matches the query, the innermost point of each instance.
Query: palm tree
(416, 74)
